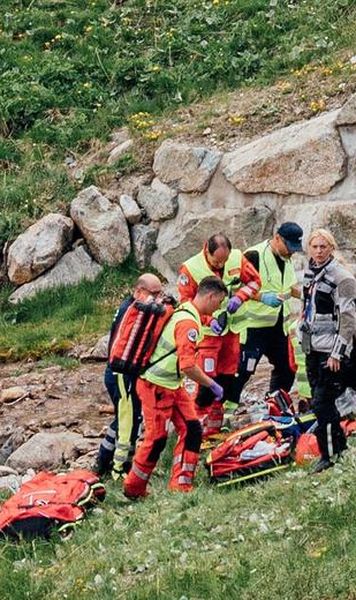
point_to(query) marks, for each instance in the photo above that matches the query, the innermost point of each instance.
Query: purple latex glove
(215, 327)
(233, 304)
(217, 390)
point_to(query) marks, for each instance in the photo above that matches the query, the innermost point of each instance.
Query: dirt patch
(58, 399)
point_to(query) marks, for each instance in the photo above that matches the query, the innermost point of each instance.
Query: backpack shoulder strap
(151, 364)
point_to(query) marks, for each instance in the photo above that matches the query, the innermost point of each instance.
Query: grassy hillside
(58, 319)
(72, 70)
(290, 538)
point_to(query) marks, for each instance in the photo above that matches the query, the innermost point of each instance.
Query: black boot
(101, 466)
(321, 465)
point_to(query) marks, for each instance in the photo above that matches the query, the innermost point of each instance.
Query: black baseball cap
(292, 235)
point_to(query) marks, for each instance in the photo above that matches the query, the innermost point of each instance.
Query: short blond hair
(324, 233)
(328, 236)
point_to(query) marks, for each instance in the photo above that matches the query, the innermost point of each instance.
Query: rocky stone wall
(305, 172)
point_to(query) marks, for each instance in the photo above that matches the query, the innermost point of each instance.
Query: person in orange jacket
(165, 399)
(219, 350)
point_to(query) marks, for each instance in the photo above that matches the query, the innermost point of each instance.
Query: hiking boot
(135, 495)
(101, 467)
(321, 465)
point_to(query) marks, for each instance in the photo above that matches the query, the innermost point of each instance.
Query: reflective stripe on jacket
(199, 268)
(166, 372)
(256, 314)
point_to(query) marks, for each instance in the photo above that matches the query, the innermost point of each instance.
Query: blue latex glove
(217, 390)
(215, 327)
(271, 299)
(233, 304)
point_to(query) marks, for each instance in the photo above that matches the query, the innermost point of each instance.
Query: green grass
(291, 537)
(72, 70)
(54, 320)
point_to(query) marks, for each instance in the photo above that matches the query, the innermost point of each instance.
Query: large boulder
(72, 268)
(337, 217)
(46, 451)
(158, 200)
(103, 226)
(304, 158)
(39, 248)
(184, 236)
(187, 168)
(143, 243)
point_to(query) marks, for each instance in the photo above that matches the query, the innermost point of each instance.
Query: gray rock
(120, 136)
(186, 168)
(10, 482)
(103, 226)
(347, 114)
(119, 151)
(304, 158)
(158, 200)
(338, 217)
(130, 209)
(12, 394)
(14, 441)
(162, 266)
(72, 268)
(39, 248)
(184, 236)
(143, 243)
(5, 470)
(99, 351)
(45, 451)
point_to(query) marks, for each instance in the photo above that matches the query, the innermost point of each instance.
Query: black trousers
(272, 343)
(326, 386)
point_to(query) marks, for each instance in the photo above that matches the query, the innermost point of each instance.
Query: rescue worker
(165, 399)
(122, 433)
(267, 322)
(327, 328)
(219, 350)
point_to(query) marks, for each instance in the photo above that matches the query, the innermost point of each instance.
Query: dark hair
(211, 284)
(216, 241)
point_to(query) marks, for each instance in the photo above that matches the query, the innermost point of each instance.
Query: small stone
(12, 393)
(98, 580)
(207, 131)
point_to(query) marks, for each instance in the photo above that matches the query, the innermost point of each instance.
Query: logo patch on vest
(234, 271)
(183, 279)
(192, 335)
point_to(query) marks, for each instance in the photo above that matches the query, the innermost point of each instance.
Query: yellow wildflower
(236, 119)
(317, 105)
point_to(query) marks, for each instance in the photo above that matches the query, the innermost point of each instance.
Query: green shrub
(72, 71)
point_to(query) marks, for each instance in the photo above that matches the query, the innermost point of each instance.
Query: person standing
(117, 448)
(327, 330)
(165, 399)
(218, 352)
(267, 318)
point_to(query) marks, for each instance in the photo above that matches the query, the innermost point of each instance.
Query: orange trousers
(217, 355)
(160, 406)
